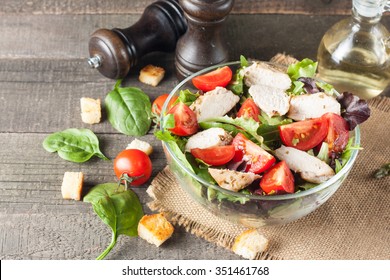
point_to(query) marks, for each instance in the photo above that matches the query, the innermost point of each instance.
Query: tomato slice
(249, 109)
(217, 78)
(185, 120)
(278, 180)
(158, 103)
(338, 133)
(304, 135)
(258, 159)
(218, 155)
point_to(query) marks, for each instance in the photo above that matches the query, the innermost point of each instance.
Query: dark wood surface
(43, 74)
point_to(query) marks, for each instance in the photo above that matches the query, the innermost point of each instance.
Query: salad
(262, 129)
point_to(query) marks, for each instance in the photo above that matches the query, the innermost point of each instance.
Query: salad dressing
(354, 55)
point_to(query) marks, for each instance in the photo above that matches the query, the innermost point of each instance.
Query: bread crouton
(155, 229)
(249, 243)
(140, 145)
(91, 111)
(151, 75)
(72, 185)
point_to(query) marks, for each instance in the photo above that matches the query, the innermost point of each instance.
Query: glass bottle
(354, 54)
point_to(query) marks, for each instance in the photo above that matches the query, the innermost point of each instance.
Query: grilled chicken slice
(308, 106)
(309, 167)
(271, 100)
(232, 180)
(260, 73)
(215, 103)
(209, 138)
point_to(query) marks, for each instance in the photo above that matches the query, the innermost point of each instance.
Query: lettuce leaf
(303, 68)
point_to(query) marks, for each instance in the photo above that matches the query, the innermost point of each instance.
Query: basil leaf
(76, 145)
(118, 208)
(129, 110)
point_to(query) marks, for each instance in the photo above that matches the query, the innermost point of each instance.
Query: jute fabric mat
(353, 224)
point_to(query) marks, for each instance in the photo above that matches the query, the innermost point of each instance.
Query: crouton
(91, 111)
(249, 243)
(151, 75)
(140, 145)
(72, 185)
(155, 229)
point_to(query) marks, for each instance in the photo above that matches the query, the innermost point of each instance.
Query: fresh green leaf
(297, 88)
(323, 154)
(329, 89)
(174, 143)
(200, 168)
(187, 97)
(304, 68)
(76, 145)
(129, 110)
(346, 154)
(276, 120)
(247, 124)
(118, 208)
(244, 62)
(169, 121)
(383, 171)
(236, 85)
(233, 130)
(220, 196)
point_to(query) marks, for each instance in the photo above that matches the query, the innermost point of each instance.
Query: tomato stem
(127, 180)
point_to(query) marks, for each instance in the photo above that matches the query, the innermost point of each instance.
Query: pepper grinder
(113, 52)
(202, 46)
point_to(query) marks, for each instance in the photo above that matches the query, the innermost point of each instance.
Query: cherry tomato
(134, 163)
(159, 102)
(338, 134)
(304, 135)
(278, 180)
(259, 160)
(217, 78)
(218, 155)
(185, 120)
(249, 109)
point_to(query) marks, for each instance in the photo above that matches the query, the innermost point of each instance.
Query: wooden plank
(84, 236)
(312, 7)
(60, 38)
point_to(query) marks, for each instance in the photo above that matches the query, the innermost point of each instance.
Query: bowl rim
(347, 167)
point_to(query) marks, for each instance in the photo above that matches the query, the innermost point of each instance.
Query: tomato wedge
(338, 134)
(217, 78)
(159, 102)
(249, 109)
(259, 160)
(218, 155)
(304, 135)
(278, 180)
(185, 120)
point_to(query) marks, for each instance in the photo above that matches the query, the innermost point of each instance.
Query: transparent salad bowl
(250, 210)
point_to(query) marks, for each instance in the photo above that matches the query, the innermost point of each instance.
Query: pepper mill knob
(202, 46)
(114, 52)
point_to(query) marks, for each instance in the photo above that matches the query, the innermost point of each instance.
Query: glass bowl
(250, 210)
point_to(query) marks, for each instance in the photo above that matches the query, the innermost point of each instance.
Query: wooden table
(43, 75)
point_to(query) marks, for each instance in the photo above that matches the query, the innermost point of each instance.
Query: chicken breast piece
(232, 180)
(273, 101)
(310, 168)
(215, 103)
(209, 138)
(308, 106)
(260, 73)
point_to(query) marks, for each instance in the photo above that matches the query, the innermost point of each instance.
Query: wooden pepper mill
(114, 52)
(201, 46)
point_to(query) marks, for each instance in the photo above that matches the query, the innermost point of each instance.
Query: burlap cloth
(353, 224)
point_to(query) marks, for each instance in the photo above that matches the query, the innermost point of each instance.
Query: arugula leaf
(346, 155)
(236, 85)
(354, 110)
(177, 146)
(248, 124)
(129, 110)
(303, 68)
(76, 145)
(118, 208)
(187, 97)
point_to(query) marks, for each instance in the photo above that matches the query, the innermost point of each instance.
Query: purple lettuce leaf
(310, 85)
(353, 109)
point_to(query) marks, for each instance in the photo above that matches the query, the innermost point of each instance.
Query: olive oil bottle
(354, 54)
